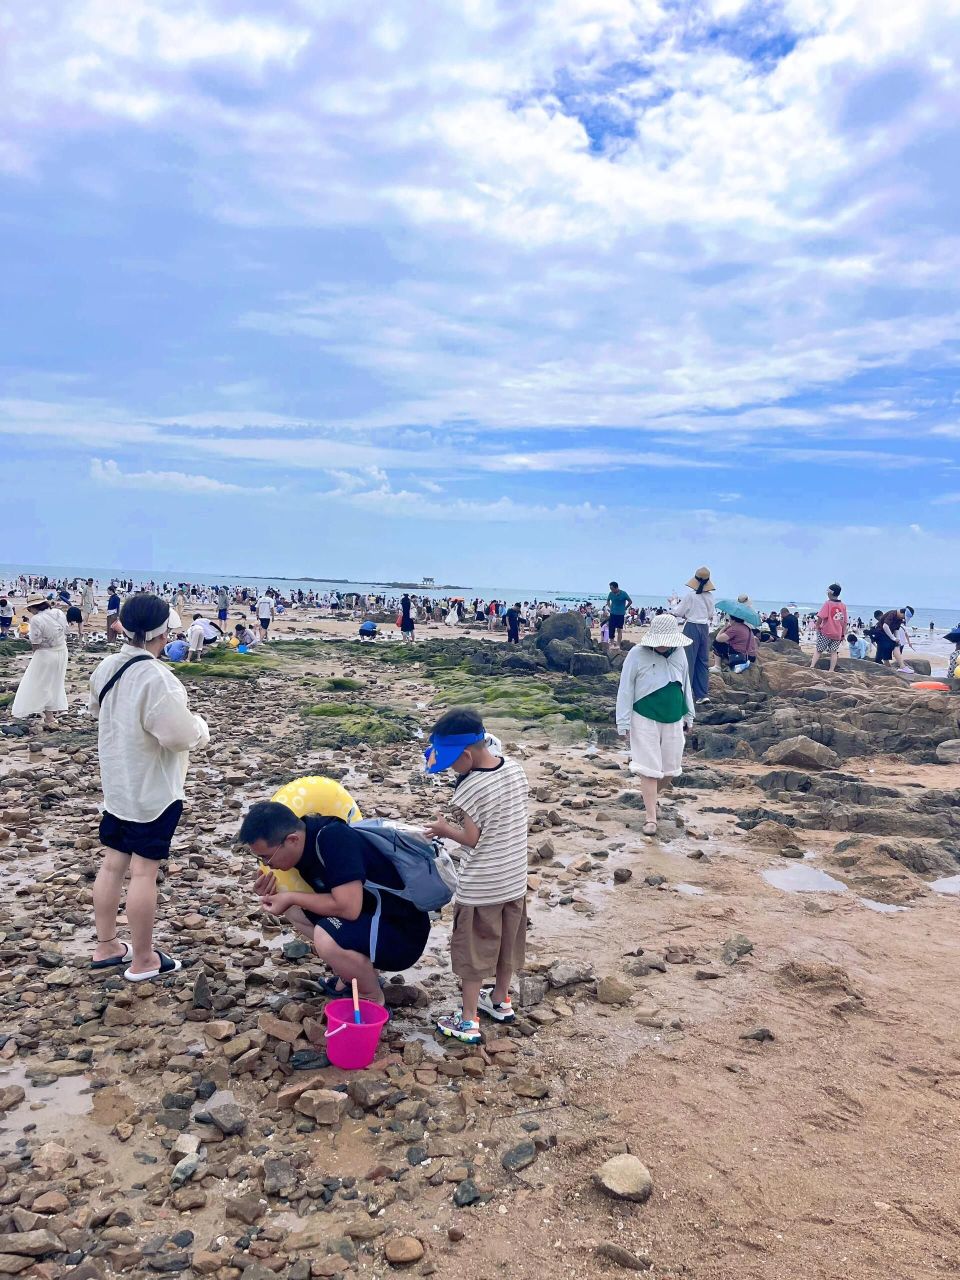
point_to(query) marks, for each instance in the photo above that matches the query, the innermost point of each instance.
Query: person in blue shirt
(177, 649)
(618, 602)
(859, 646)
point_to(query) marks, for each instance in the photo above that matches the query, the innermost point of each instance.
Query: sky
(532, 292)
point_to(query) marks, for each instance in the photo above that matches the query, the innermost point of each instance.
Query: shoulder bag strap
(142, 657)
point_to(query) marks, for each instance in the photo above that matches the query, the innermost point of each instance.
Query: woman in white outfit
(696, 613)
(654, 704)
(42, 689)
(145, 734)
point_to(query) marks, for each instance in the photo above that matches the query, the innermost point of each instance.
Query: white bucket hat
(663, 633)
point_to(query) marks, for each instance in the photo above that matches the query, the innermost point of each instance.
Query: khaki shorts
(485, 937)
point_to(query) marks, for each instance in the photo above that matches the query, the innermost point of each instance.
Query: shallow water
(67, 1096)
(802, 879)
(948, 884)
(885, 908)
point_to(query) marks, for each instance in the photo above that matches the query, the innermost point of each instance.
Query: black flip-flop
(125, 956)
(167, 965)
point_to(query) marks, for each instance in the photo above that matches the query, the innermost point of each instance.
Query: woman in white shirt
(43, 688)
(696, 612)
(145, 734)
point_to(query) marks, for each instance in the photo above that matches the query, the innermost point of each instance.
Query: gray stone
(31, 1244)
(184, 1170)
(228, 1118)
(296, 949)
(949, 752)
(626, 1178)
(566, 973)
(466, 1193)
(519, 1157)
(803, 753)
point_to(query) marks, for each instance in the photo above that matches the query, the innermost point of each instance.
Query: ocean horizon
(942, 618)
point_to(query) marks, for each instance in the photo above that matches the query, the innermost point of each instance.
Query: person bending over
(354, 929)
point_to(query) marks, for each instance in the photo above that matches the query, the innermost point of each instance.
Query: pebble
(626, 1178)
(403, 1250)
(621, 1257)
(519, 1157)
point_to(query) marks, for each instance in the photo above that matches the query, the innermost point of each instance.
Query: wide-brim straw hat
(702, 575)
(663, 632)
(34, 601)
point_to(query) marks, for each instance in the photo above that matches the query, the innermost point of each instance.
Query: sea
(924, 636)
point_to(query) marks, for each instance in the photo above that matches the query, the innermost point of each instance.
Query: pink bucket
(352, 1045)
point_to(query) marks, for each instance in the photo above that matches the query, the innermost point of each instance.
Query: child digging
(490, 912)
(654, 702)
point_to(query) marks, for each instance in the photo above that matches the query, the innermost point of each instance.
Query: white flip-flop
(167, 965)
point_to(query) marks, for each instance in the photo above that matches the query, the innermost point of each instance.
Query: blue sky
(501, 292)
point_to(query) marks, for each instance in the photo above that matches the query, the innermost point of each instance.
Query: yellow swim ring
(306, 796)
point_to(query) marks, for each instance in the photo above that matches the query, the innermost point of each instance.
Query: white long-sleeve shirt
(695, 608)
(146, 732)
(644, 671)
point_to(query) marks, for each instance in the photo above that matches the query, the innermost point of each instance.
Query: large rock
(560, 654)
(564, 626)
(949, 752)
(920, 665)
(803, 753)
(589, 664)
(626, 1178)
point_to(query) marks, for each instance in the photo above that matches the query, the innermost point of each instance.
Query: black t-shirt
(791, 627)
(113, 604)
(513, 619)
(333, 854)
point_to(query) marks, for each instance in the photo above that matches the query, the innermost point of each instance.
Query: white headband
(170, 624)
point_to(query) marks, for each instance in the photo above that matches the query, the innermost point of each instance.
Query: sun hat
(702, 575)
(34, 601)
(444, 749)
(663, 632)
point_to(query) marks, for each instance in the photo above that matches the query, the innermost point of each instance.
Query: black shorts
(401, 941)
(615, 622)
(264, 622)
(74, 614)
(147, 839)
(885, 647)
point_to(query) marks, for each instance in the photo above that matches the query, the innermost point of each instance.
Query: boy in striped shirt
(490, 913)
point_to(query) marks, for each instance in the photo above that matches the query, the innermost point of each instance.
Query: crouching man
(355, 930)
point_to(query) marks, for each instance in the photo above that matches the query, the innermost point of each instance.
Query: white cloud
(417, 506)
(106, 472)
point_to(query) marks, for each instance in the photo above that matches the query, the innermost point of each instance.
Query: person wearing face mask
(654, 705)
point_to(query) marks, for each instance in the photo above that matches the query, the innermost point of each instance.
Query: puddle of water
(690, 890)
(949, 884)
(802, 879)
(67, 1096)
(885, 908)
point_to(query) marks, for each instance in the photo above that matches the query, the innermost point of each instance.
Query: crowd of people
(358, 904)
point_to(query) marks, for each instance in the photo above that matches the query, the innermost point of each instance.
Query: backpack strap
(141, 657)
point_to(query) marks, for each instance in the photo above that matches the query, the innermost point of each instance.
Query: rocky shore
(717, 1023)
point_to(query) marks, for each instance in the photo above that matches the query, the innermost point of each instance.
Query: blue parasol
(734, 609)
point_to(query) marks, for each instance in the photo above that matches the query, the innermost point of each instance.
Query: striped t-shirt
(496, 869)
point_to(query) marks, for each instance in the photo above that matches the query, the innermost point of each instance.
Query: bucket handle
(336, 1030)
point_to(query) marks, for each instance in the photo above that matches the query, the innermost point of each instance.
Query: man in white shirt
(266, 611)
